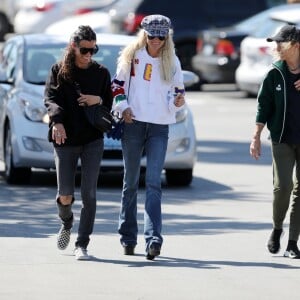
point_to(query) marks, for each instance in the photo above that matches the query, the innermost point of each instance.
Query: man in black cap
(279, 108)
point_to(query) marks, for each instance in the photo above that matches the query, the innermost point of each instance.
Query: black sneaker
(153, 251)
(274, 241)
(63, 238)
(292, 250)
(128, 249)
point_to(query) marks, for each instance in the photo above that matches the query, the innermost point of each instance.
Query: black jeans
(66, 161)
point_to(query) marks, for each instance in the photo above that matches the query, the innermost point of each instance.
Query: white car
(35, 16)
(24, 66)
(257, 53)
(98, 20)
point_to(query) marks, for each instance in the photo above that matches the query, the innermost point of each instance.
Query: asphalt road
(214, 231)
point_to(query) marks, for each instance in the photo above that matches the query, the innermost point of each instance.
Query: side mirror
(190, 78)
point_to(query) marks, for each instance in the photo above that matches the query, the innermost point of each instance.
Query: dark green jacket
(272, 97)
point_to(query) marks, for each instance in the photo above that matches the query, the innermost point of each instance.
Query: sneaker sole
(281, 236)
(288, 254)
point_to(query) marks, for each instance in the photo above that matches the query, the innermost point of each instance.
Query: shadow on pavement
(30, 211)
(163, 261)
(230, 153)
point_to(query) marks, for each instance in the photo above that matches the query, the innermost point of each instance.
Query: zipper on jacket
(284, 113)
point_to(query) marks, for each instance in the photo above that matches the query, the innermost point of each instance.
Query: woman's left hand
(87, 100)
(179, 100)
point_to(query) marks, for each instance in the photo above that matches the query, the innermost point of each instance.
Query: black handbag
(99, 116)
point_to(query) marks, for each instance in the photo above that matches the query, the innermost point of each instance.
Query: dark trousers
(66, 161)
(286, 178)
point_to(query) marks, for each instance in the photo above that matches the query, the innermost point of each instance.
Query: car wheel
(179, 177)
(12, 174)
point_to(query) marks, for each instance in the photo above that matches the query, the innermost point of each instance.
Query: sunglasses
(152, 37)
(84, 50)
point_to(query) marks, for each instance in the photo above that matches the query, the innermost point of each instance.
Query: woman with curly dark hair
(73, 83)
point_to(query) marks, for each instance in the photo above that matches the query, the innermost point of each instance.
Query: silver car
(257, 54)
(25, 62)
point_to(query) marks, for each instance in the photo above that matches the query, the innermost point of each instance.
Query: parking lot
(214, 231)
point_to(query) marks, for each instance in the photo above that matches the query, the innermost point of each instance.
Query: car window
(258, 20)
(107, 56)
(253, 22)
(9, 60)
(270, 28)
(4, 54)
(38, 61)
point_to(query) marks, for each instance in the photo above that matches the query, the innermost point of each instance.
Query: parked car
(98, 20)
(8, 10)
(218, 50)
(257, 53)
(24, 65)
(188, 18)
(34, 16)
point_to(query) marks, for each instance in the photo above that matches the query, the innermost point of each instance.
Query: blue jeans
(151, 139)
(66, 160)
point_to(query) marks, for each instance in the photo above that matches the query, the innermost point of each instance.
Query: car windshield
(38, 60)
(270, 28)
(253, 22)
(258, 20)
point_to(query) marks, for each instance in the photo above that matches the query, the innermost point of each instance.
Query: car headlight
(34, 113)
(181, 115)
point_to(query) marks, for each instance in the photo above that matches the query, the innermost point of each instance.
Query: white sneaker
(81, 253)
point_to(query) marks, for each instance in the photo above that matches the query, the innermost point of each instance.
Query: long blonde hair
(167, 55)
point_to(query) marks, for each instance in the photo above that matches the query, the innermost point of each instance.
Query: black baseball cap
(287, 33)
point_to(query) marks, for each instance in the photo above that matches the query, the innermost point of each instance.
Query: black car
(188, 18)
(218, 50)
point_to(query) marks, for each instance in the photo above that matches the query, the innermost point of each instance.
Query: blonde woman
(279, 108)
(148, 91)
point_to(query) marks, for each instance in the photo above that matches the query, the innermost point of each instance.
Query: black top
(62, 105)
(291, 133)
